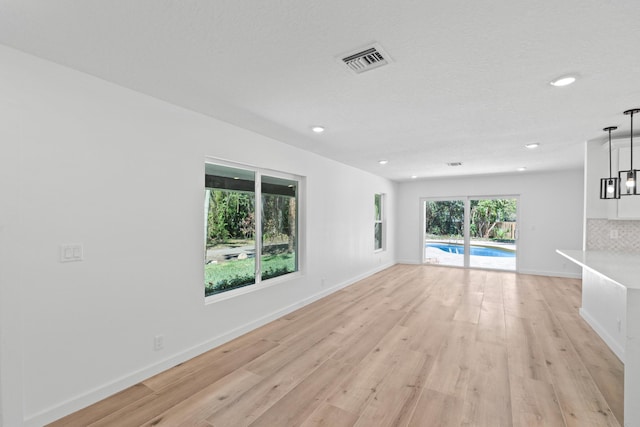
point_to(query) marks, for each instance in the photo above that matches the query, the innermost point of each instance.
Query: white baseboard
(344, 284)
(408, 261)
(552, 273)
(533, 272)
(602, 332)
(119, 384)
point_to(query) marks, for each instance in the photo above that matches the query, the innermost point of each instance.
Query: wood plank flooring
(409, 346)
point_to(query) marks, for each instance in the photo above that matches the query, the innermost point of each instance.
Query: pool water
(475, 250)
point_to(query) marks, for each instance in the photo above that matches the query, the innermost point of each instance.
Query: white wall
(596, 167)
(551, 206)
(84, 161)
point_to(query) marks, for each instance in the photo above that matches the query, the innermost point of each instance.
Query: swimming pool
(475, 250)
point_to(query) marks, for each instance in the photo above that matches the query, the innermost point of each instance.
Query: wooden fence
(508, 233)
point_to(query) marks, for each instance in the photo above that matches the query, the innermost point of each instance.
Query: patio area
(434, 255)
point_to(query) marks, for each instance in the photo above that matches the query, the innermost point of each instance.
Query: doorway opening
(477, 232)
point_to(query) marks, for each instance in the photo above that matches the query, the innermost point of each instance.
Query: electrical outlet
(158, 342)
(70, 253)
(619, 325)
(613, 234)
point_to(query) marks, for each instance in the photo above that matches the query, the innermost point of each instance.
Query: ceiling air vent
(366, 59)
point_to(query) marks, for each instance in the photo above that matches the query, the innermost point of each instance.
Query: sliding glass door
(444, 232)
(479, 232)
(492, 232)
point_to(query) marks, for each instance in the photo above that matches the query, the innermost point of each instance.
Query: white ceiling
(469, 80)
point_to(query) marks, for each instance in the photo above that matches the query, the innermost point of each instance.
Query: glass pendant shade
(609, 187)
(627, 179)
(627, 182)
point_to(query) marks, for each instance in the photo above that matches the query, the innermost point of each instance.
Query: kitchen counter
(611, 306)
(621, 268)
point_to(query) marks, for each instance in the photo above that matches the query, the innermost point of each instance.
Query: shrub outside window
(238, 203)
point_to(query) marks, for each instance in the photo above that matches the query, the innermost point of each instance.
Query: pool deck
(439, 257)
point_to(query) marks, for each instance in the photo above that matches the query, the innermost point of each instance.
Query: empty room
(295, 213)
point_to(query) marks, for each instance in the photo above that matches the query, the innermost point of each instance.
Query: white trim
(602, 332)
(263, 284)
(408, 261)
(531, 272)
(257, 229)
(94, 395)
(552, 274)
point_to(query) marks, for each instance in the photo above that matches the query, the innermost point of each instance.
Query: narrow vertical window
(378, 222)
(251, 227)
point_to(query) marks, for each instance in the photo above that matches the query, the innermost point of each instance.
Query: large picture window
(251, 227)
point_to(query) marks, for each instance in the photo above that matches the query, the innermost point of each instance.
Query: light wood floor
(410, 346)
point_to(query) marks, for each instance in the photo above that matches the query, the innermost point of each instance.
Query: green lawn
(238, 273)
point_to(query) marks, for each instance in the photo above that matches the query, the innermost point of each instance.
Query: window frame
(260, 283)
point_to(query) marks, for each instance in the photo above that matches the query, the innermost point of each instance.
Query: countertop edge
(621, 268)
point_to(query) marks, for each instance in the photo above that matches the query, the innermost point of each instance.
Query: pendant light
(609, 188)
(627, 179)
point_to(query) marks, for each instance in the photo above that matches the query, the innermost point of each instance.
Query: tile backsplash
(601, 232)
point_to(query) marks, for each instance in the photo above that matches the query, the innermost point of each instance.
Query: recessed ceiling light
(532, 146)
(383, 162)
(521, 169)
(563, 81)
(414, 176)
(318, 129)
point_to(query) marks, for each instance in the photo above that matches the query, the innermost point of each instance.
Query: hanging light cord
(609, 129)
(632, 111)
(631, 175)
(610, 172)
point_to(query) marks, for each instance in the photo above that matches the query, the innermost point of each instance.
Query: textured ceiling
(468, 82)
